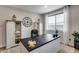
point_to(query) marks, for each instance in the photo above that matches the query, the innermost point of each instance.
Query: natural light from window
(50, 22)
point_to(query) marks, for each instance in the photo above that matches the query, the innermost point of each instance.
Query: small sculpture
(31, 43)
(14, 17)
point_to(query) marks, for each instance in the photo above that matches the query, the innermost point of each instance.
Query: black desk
(40, 41)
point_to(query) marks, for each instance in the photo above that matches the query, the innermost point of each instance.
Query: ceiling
(39, 9)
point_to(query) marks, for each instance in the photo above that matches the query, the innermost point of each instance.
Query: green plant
(76, 36)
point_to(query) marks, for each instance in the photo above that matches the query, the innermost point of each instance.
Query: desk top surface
(40, 41)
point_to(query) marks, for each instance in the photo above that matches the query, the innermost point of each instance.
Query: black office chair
(34, 33)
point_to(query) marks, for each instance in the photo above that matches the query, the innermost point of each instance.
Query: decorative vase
(14, 18)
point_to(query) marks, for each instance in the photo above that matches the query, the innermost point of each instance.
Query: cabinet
(13, 33)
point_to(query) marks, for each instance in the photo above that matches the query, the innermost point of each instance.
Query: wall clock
(27, 22)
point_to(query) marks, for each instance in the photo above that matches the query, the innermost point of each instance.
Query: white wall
(2, 32)
(7, 13)
(74, 20)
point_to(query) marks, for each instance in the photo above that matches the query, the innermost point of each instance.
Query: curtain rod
(56, 14)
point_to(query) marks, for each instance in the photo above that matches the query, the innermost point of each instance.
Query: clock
(27, 22)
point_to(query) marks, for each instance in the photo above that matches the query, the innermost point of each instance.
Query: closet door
(10, 35)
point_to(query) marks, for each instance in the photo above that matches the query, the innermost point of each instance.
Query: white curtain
(66, 25)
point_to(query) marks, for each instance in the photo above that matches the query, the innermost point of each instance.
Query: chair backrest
(34, 33)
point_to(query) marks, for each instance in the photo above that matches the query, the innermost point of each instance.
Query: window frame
(55, 20)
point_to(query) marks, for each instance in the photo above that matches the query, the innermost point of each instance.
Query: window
(51, 23)
(60, 22)
(56, 19)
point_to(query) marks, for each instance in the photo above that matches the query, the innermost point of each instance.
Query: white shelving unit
(11, 34)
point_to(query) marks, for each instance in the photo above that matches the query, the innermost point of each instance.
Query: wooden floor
(68, 49)
(17, 49)
(21, 49)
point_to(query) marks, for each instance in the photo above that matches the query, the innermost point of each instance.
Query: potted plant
(56, 33)
(76, 40)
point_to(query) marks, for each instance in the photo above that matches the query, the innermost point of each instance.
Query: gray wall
(74, 21)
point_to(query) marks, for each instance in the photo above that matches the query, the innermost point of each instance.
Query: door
(10, 34)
